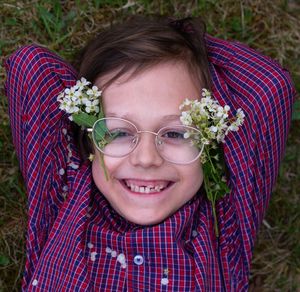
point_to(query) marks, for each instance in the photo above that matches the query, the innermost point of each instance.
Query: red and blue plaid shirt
(76, 242)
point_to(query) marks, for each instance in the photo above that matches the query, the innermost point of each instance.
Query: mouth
(146, 187)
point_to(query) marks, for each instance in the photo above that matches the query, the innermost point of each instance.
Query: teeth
(145, 189)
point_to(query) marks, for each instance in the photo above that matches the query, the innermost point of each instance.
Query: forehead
(154, 92)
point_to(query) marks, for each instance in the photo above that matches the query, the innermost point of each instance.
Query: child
(148, 225)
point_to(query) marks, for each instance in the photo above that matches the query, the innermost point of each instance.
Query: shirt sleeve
(42, 138)
(243, 78)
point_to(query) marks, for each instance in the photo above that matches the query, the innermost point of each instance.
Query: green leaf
(11, 21)
(4, 261)
(100, 130)
(83, 119)
(296, 111)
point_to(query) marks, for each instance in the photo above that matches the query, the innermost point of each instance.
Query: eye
(173, 134)
(121, 133)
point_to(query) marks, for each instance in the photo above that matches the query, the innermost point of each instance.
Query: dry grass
(269, 26)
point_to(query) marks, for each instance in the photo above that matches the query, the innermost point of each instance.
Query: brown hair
(140, 43)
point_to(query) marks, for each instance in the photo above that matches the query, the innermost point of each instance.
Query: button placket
(165, 281)
(137, 260)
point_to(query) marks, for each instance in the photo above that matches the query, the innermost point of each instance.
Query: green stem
(211, 197)
(214, 174)
(208, 156)
(215, 219)
(103, 166)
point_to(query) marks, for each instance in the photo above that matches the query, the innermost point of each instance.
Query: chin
(145, 218)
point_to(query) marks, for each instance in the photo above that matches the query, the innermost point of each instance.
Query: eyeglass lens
(117, 138)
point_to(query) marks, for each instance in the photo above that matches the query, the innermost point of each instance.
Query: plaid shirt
(76, 242)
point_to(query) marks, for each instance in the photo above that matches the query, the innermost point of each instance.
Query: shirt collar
(181, 224)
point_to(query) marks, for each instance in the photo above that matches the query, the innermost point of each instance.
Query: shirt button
(138, 260)
(61, 171)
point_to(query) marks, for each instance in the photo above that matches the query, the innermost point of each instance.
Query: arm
(35, 77)
(245, 79)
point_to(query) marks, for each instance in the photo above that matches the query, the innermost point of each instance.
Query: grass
(271, 27)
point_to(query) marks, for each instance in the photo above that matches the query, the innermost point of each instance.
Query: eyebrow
(167, 118)
(170, 118)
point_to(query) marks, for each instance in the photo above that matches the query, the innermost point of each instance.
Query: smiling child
(162, 88)
(138, 216)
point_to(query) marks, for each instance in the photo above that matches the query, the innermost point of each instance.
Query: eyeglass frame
(138, 132)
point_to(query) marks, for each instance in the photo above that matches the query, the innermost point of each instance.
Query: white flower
(186, 102)
(92, 106)
(70, 92)
(222, 112)
(72, 108)
(80, 84)
(213, 129)
(94, 92)
(205, 92)
(186, 118)
(233, 127)
(77, 97)
(80, 97)
(221, 137)
(204, 141)
(64, 103)
(68, 105)
(202, 109)
(240, 117)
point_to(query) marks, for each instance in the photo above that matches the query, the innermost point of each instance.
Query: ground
(270, 26)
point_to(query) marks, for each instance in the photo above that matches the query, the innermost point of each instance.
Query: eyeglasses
(118, 137)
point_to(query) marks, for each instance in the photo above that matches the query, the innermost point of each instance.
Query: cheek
(197, 172)
(111, 166)
(98, 172)
(193, 176)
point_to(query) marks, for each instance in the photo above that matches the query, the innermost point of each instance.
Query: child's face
(150, 100)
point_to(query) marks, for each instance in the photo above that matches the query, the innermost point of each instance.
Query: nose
(145, 154)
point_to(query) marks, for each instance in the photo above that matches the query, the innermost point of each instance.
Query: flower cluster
(80, 98)
(213, 121)
(208, 116)
(82, 103)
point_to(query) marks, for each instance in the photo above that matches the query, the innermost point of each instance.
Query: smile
(146, 187)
